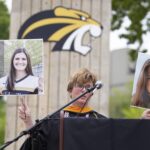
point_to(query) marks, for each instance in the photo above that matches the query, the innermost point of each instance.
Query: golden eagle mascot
(64, 26)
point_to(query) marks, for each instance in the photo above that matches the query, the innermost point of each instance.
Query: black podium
(106, 134)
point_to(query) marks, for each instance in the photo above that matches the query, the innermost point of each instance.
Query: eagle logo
(64, 26)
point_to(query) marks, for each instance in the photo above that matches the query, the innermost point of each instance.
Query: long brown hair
(12, 73)
(141, 95)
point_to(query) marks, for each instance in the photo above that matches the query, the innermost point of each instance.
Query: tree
(137, 11)
(4, 20)
(2, 120)
(4, 34)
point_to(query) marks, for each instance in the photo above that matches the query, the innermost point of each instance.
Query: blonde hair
(82, 76)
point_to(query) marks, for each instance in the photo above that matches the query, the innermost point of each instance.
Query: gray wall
(1, 58)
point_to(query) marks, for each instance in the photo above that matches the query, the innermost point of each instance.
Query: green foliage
(136, 11)
(133, 55)
(4, 21)
(120, 101)
(132, 112)
(2, 120)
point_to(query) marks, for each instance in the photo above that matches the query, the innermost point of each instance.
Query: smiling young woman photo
(20, 79)
(141, 98)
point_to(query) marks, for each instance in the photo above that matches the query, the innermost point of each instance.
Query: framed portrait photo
(21, 69)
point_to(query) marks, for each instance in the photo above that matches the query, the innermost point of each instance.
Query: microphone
(98, 84)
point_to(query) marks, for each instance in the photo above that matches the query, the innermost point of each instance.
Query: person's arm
(36, 140)
(24, 113)
(146, 114)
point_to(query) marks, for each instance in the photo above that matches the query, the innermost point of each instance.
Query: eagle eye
(83, 18)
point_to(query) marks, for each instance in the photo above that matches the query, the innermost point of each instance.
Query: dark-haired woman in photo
(141, 98)
(20, 79)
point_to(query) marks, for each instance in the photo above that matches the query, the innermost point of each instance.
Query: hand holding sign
(24, 112)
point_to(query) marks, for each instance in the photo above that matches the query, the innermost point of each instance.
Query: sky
(115, 42)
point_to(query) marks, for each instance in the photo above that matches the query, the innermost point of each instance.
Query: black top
(46, 137)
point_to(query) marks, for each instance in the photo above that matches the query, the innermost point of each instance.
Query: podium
(106, 134)
(92, 134)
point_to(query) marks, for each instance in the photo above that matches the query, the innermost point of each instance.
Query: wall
(59, 65)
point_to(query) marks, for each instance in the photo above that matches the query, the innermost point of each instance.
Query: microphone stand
(38, 122)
